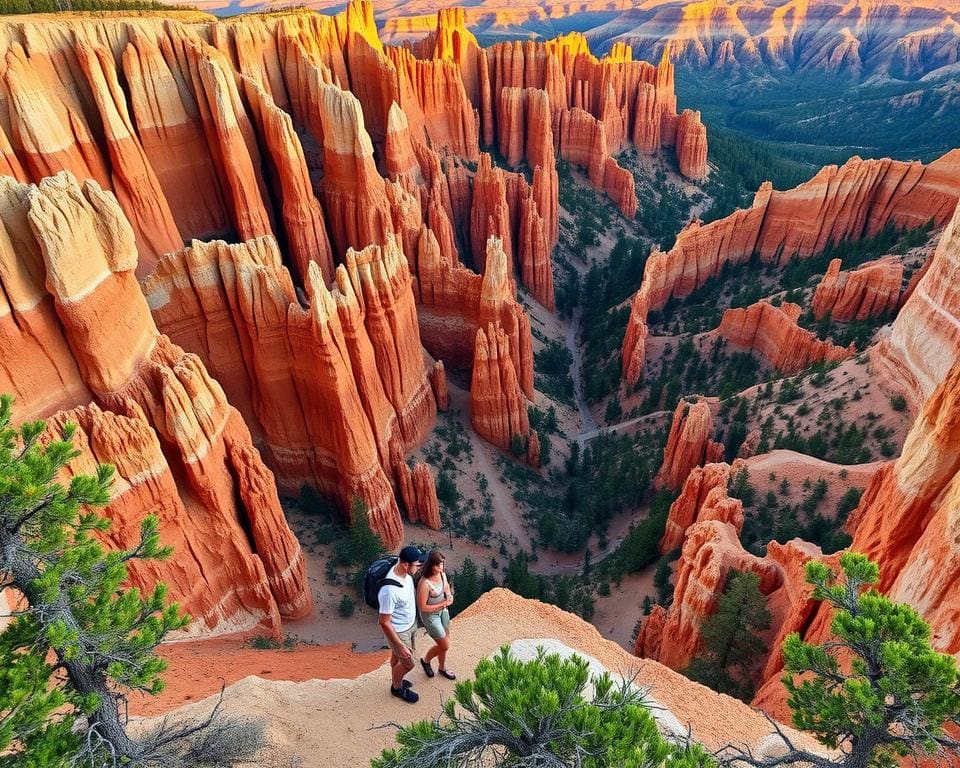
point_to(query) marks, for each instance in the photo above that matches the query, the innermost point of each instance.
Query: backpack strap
(386, 582)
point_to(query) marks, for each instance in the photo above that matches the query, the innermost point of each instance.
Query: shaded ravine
(587, 423)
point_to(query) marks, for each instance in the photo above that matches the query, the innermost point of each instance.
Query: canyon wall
(853, 201)
(924, 341)
(907, 520)
(141, 402)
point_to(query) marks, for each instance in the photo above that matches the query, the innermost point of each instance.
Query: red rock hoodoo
(498, 408)
(711, 551)
(703, 497)
(689, 444)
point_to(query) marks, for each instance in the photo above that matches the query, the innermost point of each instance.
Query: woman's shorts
(436, 623)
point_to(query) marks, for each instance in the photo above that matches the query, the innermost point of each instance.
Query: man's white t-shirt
(399, 602)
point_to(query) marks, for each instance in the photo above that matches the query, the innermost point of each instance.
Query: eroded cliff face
(335, 388)
(773, 333)
(853, 201)
(153, 409)
(907, 520)
(873, 290)
(924, 342)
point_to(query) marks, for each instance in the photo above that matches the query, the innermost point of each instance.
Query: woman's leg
(440, 651)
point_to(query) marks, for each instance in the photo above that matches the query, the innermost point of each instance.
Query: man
(398, 619)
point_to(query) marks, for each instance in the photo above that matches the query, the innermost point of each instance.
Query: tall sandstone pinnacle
(154, 407)
(689, 444)
(498, 408)
(703, 497)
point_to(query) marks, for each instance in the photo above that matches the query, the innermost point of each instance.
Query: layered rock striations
(924, 342)
(851, 202)
(872, 290)
(773, 333)
(150, 407)
(908, 517)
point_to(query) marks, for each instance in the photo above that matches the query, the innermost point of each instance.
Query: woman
(434, 595)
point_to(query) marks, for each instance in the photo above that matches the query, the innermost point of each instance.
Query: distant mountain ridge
(862, 39)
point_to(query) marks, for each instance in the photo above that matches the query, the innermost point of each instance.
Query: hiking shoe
(406, 694)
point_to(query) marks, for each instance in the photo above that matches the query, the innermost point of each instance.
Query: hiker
(434, 596)
(398, 619)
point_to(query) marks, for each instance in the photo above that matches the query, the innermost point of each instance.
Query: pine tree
(729, 635)
(466, 581)
(535, 713)
(877, 691)
(82, 641)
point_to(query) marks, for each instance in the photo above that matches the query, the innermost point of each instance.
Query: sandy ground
(768, 470)
(615, 616)
(198, 669)
(344, 722)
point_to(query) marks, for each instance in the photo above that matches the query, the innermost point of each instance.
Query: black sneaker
(406, 684)
(406, 694)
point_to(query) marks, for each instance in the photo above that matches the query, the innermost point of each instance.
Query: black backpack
(376, 578)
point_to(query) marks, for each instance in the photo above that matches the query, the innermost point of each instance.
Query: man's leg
(397, 669)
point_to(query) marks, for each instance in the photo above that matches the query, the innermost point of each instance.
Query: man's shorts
(407, 637)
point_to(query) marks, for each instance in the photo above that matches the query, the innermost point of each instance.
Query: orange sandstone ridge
(872, 290)
(774, 334)
(852, 201)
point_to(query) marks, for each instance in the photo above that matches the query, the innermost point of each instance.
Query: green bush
(537, 712)
(347, 607)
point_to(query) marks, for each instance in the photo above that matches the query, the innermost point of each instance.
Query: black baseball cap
(412, 554)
